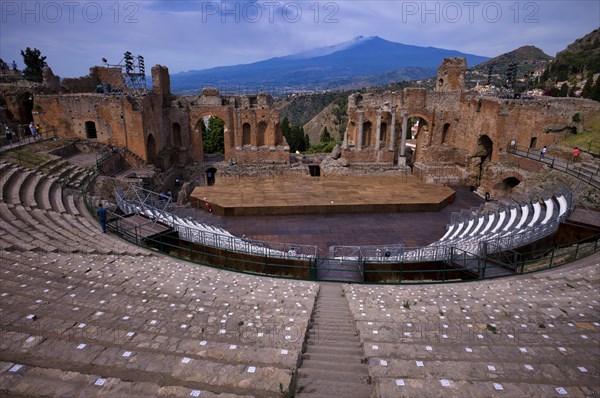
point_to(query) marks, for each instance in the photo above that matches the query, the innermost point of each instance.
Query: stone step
(343, 350)
(338, 316)
(352, 369)
(329, 334)
(318, 355)
(331, 376)
(314, 389)
(332, 341)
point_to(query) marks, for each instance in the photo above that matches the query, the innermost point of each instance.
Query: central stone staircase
(333, 364)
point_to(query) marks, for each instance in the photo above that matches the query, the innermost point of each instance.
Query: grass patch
(24, 157)
(583, 140)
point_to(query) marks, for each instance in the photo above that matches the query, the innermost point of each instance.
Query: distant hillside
(526, 60)
(299, 109)
(582, 57)
(575, 70)
(333, 116)
(526, 55)
(361, 61)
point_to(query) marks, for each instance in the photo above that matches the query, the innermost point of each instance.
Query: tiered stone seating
(44, 223)
(143, 319)
(84, 313)
(537, 335)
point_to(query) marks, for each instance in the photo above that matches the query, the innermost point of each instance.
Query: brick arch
(196, 131)
(427, 123)
(501, 185)
(411, 115)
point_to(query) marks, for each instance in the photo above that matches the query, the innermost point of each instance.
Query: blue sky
(189, 34)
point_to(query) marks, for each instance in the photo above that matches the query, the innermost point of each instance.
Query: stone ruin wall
(161, 128)
(455, 120)
(449, 149)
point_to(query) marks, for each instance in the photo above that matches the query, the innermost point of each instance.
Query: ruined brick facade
(458, 136)
(459, 133)
(158, 127)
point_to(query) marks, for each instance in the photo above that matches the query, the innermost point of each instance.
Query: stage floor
(321, 195)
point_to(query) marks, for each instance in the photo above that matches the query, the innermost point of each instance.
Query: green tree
(306, 141)
(34, 64)
(595, 91)
(587, 88)
(285, 128)
(564, 90)
(545, 75)
(325, 136)
(213, 136)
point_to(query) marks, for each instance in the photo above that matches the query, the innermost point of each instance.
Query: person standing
(9, 135)
(576, 153)
(543, 152)
(38, 128)
(33, 131)
(102, 217)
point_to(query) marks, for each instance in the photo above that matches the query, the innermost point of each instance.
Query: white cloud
(192, 34)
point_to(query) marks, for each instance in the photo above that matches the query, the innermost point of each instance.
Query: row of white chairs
(209, 235)
(508, 227)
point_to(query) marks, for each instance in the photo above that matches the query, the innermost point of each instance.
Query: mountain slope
(580, 57)
(525, 55)
(326, 68)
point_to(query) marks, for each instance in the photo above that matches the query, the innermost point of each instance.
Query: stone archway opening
(213, 135)
(506, 186)
(246, 134)
(261, 130)
(90, 130)
(483, 154)
(384, 135)
(151, 149)
(366, 138)
(26, 108)
(211, 174)
(417, 129)
(416, 126)
(446, 133)
(176, 135)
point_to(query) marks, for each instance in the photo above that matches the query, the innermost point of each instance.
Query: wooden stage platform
(321, 195)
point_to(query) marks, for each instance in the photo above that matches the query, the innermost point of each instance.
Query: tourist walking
(102, 217)
(34, 133)
(543, 152)
(9, 135)
(576, 153)
(38, 128)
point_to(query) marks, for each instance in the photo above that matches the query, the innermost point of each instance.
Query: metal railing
(587, 173)
(150, 204)
(493, 259)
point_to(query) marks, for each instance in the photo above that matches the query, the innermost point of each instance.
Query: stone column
(404, 132)
(239, 139)
(393, 130)
(378, 130)
(361, 115)
(253, 128)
